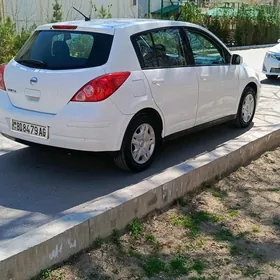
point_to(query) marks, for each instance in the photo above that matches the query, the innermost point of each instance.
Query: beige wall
(27, 12)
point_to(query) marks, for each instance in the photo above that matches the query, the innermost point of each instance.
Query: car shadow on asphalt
(271, 82)
(45, 182)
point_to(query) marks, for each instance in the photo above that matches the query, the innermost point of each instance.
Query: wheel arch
(120, 157)
(145, 111)
(252, 85)
(152, 113)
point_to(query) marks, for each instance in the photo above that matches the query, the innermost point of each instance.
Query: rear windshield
(60, 50)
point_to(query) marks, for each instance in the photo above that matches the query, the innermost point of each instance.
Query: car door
(218, 79)
(173, 83)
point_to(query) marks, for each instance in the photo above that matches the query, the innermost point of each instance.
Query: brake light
(71, 27)
(101, 88)
(2, 84)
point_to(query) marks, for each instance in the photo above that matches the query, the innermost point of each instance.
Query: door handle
(158, 81)
(204, 77)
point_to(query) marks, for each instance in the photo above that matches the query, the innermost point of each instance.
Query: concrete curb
(25, 256)
(243, 48)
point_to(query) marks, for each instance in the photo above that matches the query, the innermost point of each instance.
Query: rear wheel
(272, 77)
(140, 144)
(247, 108)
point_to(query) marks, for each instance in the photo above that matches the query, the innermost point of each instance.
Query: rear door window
(161, 48)
(59, 50)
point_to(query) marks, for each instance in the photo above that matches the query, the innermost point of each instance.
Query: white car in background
(122, 86)
(271, 64)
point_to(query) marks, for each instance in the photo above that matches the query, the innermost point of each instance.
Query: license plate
(30, 129)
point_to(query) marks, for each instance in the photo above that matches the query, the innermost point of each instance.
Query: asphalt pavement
(40, 185)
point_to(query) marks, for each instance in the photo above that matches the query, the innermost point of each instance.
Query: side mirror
(278, 41)
(236, 59)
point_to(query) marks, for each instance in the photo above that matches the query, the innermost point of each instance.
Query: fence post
(3, 11)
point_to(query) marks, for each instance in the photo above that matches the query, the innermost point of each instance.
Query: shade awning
(166, 10)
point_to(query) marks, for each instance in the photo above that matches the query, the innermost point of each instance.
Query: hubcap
(248, 108)
(143, 143)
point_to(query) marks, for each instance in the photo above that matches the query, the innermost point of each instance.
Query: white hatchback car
(122, 86)
(271, 63)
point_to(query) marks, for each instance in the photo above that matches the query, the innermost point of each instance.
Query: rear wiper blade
(32, 62)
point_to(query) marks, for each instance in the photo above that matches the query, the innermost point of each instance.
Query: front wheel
(140, 144)
(247, 108)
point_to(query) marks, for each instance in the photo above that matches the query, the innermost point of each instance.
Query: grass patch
(223, 235)
(156, 245)
(45, 274)
(204, 216)
(198, 266)
(181, 220)
(177, 266)
(193, 246)
(52, 274)
(187, 222)
(255, 229)
(182, 201)
(150, 237)
(233, 213)
(235, 250)
(154, 266)
(98, 242)
(135, 229)
(242, 234)
(134, 253)
(219, 194)
(252, 272)
(193, 222)
(200, 243)
(116, 237)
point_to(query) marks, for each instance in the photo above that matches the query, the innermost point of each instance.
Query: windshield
(59, 50)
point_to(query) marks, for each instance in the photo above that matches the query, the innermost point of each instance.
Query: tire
(245, 117)
(124, 158)
(272, 77)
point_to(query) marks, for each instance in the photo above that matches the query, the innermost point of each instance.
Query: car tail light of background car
(101, 88)
(2, 84)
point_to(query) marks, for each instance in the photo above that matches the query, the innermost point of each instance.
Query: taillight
(68, 27)
(101, 88)
(2, 84)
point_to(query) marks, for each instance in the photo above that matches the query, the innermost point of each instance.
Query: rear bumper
(79, 126)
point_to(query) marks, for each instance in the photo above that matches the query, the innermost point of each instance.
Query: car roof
(129, 25)
(105, 25)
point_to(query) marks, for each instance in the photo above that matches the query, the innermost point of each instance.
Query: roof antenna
(86, 18)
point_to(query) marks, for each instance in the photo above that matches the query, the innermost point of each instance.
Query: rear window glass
(58, 50)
